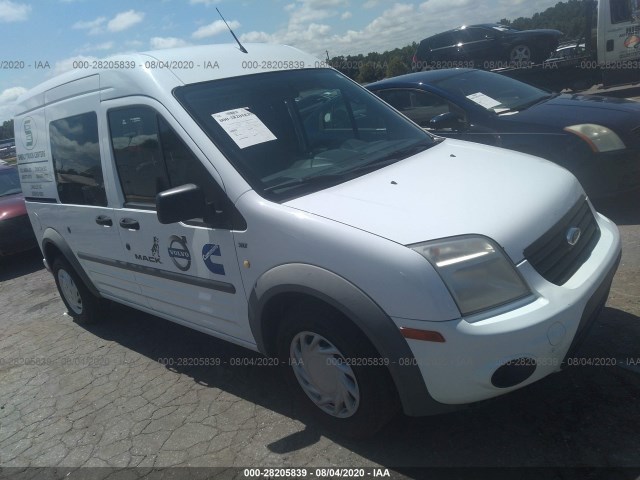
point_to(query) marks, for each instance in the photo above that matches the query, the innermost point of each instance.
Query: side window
(183, 167)
(441, 41)
(477, 34)
(150, 157)
(426, 105)
(399, 99)
(621, 11)
(76, 160)
(136, 148)
(461, 36)
(418, 105)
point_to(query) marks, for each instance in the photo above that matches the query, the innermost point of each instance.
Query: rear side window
(76, 160)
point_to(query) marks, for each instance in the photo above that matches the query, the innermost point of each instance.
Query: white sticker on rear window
(244, 128)
(483, 100)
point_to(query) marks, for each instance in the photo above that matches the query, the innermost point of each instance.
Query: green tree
(375, 66)
(367, 73)
(568, 17)
(6, 129)
(396, 67)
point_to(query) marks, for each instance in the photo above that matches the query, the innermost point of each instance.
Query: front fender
(384, 335)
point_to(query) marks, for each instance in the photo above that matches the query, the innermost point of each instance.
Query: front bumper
(538, 336)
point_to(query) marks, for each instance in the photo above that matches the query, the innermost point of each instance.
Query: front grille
(636, 131)
(553, 257)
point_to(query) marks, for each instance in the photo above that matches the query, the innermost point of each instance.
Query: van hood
(453, 188)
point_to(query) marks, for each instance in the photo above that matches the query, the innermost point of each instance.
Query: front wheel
(336, 372)
(82, 305)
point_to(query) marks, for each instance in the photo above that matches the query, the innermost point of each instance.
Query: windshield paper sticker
(243, 127)
(483, 100)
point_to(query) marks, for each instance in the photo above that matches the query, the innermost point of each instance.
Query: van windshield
(294, 132)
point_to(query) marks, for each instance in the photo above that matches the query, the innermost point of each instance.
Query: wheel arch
(54, 245)
(277, 288)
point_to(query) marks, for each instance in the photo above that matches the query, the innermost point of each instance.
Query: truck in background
(608, 53)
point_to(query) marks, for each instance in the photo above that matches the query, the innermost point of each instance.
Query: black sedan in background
(596, 138)
(487, 46)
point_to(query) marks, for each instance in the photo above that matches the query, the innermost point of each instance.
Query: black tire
(377, 400)
(82, 305)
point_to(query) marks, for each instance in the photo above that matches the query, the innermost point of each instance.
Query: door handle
(104, 221)
(129, 224)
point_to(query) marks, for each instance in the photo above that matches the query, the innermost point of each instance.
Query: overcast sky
(54, 33)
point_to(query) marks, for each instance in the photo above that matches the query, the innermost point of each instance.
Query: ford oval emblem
(573, 235)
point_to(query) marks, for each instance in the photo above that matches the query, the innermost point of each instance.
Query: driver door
(187, 271)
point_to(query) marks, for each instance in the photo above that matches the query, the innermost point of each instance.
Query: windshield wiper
(405, 152)
(356, 170)
(310, 180)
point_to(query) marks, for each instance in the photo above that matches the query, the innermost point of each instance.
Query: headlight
(475, 270)
(599, 138)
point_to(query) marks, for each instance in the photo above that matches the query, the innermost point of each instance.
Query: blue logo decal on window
(211, 252)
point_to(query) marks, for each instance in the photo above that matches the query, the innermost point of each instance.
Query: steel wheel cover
(324, 375)
(70, 292)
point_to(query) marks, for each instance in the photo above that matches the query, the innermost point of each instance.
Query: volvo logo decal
(573, 235)
(179, 252)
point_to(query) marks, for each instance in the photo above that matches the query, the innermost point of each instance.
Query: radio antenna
(242, 49)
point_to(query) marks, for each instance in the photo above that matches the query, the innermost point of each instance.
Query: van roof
(142, 73)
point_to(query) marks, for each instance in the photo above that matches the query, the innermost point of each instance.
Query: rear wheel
(520, 54)
(81, 304)
(336, 372)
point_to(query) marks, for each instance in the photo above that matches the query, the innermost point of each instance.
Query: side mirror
(448, 120)
(181, 203)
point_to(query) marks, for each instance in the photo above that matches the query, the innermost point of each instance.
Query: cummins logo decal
(211, 254)
(179, 252)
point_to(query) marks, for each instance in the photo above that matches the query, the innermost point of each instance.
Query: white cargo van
(272, 202)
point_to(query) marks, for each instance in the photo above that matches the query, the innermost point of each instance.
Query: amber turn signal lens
(426, 335)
